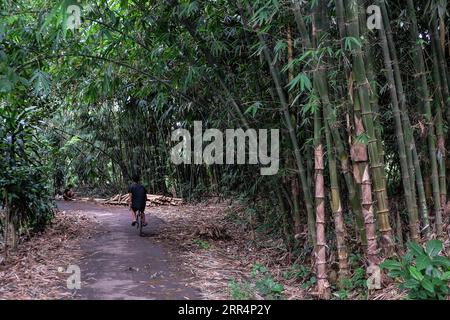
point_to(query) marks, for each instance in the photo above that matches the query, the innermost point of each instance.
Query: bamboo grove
(363, 112)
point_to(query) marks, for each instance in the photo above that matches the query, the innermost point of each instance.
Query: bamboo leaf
(41, 83)
(352, 43)
(363, 138)
(301, 80)
(253, 109)
(188, 8)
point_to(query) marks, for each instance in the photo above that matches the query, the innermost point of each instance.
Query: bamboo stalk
(332, 123)
(362, 177)
(439, 104)
(354, 192)
(294, 179)
(443, 69)
(284, 215)
(411, 151)
(363, 90)
(425, 101)
(292, 134)
(413, 222)
(400, 241)
(336, 208)
(323, 286)
(295, 201)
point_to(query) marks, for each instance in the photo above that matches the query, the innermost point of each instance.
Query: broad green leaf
(422, 295)
(441, 261)
(415, 273)
(433, 247)
(422, 262)
(395, 273)
(429, 270)
(391, 265)
(416, 249)
(446, 275)
(411, 284)
(427, 285)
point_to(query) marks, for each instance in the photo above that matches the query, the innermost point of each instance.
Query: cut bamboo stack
(152, 200)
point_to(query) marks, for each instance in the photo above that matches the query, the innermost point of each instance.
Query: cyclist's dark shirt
(138, 196)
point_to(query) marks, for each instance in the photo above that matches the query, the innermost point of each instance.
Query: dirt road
(119, 264)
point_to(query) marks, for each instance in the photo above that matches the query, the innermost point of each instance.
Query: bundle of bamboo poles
(152, 199)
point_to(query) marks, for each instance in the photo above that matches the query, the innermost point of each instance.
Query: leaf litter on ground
(32, 271)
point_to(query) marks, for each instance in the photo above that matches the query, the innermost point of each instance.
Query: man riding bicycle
(137, 199)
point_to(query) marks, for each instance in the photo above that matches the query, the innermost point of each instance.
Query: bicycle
(140, 221)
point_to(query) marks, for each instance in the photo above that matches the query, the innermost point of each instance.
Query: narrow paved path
(119, 264)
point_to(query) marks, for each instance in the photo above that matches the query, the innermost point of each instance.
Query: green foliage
(266, 11)
(269, 288)
(355, 259)
(202, 244)
(24, 185)
(41, 83)
(241, 291)
(302, 81)
(423, 272)
(253, 109)
(357, 282)
(133, 73)
(261, 282)
(29, 198)
(342, 294)
(352, 43)
(188, 8)
(311, 282)
(358, 279)
(312, 104)
(297, 271)
(363, 138)
(265, 284)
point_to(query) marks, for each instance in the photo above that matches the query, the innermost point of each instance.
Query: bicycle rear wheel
(141, 223)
